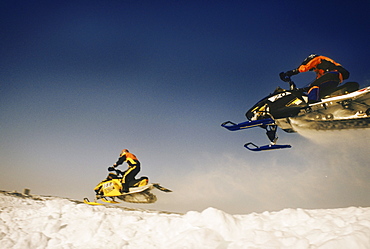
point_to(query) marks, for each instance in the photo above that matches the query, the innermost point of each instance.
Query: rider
(133, 168)
(329, 74)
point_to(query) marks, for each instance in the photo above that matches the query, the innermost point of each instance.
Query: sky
(82, 80)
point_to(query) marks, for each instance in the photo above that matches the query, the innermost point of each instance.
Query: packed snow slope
(51, 222)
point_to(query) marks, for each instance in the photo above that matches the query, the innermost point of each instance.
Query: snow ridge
(52, 222)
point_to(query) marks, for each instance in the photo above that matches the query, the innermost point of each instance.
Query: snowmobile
(111, 189)
(345, 107)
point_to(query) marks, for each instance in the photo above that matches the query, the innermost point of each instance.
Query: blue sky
(81, 80)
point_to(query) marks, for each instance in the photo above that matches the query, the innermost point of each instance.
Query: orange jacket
(321, 65)
(128, 157)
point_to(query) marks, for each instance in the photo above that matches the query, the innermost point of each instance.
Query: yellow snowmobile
(112, 188)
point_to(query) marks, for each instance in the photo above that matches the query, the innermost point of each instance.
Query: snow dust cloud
(322, 170)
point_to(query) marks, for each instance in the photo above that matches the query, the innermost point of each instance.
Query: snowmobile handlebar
(118, 172)
(291, 83)
(287, 78)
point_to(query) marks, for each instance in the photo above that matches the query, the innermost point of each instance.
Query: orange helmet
(123, 152)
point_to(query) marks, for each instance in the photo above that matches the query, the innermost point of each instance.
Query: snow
(52, 222)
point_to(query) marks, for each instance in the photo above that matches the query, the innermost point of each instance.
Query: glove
(111, 169)
(292, 72)
(284, 77)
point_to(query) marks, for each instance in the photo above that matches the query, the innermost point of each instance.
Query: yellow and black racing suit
(131, 172)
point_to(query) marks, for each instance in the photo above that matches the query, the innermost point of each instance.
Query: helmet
(123, 152)
(309, 58)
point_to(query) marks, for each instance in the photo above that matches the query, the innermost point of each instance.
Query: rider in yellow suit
(133, 168)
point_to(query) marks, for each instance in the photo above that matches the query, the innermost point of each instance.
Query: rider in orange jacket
(329, 74)
(133, 168)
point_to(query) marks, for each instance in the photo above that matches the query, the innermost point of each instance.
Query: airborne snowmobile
(139, 191)
(345, 107)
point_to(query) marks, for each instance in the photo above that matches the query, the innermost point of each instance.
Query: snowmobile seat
(137, 181)
(347, 87)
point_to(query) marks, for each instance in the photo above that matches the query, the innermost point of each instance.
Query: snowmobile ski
(104, 199)
(86, 200)
(253, 147)
(231, 126)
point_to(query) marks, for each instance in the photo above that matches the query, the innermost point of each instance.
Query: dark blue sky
(81, 80)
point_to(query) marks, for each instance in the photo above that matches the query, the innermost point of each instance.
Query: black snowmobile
(345, 107)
